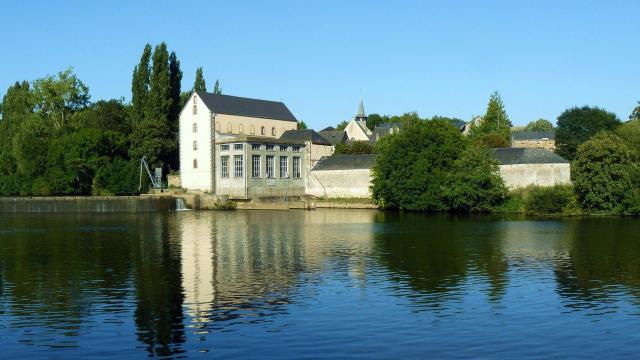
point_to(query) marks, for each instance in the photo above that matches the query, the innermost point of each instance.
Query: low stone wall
(352, 183)
(92, 204)
(523, 175)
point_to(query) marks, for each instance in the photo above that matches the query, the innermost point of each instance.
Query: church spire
(361, 116)
(361, 109)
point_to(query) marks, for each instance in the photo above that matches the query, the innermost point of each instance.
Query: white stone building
(522, 167)
(342, 176)
(208, 119)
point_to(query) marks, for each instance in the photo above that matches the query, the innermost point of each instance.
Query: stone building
(522, 167)
(315, 148)
(208, 120)
(534, 139)
(253, 167)
(342, 176)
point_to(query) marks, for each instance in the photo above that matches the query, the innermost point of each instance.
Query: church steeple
(361, 116)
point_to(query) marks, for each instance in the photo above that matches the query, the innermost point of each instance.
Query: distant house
(342, 176)
(534, 139)
(230, 145)
(357, 130)
(466, 128)
(522, 167)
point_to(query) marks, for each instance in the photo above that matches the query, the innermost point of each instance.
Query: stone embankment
(87, 204)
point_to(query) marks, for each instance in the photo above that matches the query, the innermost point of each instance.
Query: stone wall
(80, 204)
(352, 183)
(523, 175)
(174, 181)
(545, 144)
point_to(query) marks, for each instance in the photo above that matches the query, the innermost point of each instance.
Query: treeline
(55, 141)
(431, 166)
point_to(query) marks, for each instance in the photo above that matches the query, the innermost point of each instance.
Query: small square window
(270, 147)
(295, 149)
(237, 146)
(224, 147)
(283, 147)
(255, 147)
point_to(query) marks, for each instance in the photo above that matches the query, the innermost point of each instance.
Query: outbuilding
(342, 176)
(522, 167)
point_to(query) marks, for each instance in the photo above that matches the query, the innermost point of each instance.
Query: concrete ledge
(86, 204)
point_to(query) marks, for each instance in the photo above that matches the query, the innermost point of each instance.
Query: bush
(474, 183)
(631, 203)
(603, 169)
(550, 200)
(492, 140)
(354, 148)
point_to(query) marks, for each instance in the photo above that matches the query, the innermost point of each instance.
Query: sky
(321, 57)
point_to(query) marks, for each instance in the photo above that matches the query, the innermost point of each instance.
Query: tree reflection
(603, 258)
(435, 255)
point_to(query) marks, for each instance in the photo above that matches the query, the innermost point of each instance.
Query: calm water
(317, 284)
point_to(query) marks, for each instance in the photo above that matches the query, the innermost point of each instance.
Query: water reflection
(169, 284)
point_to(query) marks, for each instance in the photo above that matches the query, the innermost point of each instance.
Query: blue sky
(319, 57)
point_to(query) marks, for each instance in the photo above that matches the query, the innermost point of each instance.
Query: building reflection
(245, 266)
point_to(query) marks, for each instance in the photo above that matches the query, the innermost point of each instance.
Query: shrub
(354, 148)
(602, 172)
(550, 200)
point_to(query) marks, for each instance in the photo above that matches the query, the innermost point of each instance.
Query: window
(195, 127)
(296, 167)
(217, 126)
(195, 145)
(283, 147)
(295, 149)
(255, 147)
(284, 173)
(255, 161)
(237, 166)
(195, 163)
(241, 129)
(270, 147)
(270, 167)
(237, 146)
(224, 166)
(263, 131)
(229, 128)
(195, 109)
(273, 131)
(252, 130)
(224, 147)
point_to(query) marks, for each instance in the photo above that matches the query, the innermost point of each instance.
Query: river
(317, 284)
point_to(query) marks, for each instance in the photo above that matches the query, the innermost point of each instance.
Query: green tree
(412, 167)
(635, 114)
(374, 120)
(539, 125)
(630, 133)
(152, 137)
(140, 84)
(111, 115)
(17, 104)
(354, 148)
(199, 84)
(58, 97)
(602, 168)
(302, 125)
(175, 79)
(217, 89)
(576, 125)
(30, 145)
(495, 121)
(474, 183)
(342, 125)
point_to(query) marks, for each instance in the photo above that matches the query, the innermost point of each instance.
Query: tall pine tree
(140, 84)
(495, 122)
(217, 89)
(175, 76)
(199, 84)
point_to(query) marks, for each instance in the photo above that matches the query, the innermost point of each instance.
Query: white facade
(357, 130)
(347, 183)
(522, 175)
(201, 128)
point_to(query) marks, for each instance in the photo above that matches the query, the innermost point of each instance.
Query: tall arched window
(195, 163)
(195, 105)
(273, 131)
(195, 127)
(241, 129)
(229, 128)
(252, 130)
(195, 145)
(263, 131)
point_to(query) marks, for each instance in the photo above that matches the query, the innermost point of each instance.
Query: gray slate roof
(533, 135)
(513, 156)
(334, 137)
(345, 162)
(234, 105)
(305, 135)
